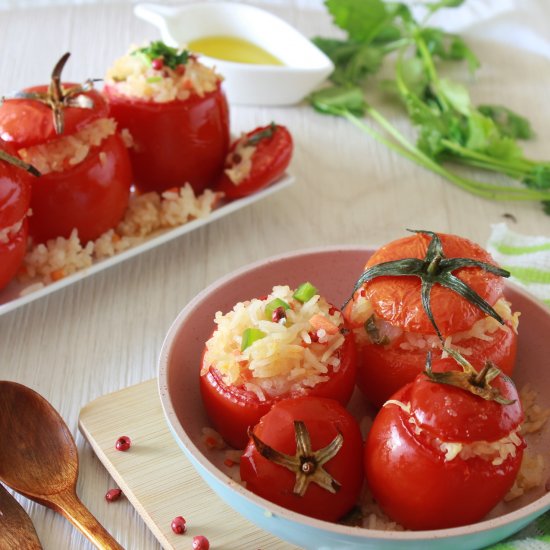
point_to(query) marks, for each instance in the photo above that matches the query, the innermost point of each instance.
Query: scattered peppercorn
(178, 525)
(123, 443)
(200, 543)
(113, 494)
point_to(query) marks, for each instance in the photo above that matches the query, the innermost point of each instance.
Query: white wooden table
(105, 332)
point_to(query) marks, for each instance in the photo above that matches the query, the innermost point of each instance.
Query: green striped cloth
(535, 536)
(528, 260)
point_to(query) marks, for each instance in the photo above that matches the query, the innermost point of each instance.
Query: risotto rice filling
(294, 351)
(61, 154)
(135, 75)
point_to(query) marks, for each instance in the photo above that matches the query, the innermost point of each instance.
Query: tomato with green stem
(89, 191)
(417, 293)
(445, 448)
(256, 160)
(305, 454)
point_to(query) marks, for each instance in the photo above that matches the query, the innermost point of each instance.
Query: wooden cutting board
(157, 478)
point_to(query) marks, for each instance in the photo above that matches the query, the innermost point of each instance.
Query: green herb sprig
(450, 128)
(172, 57)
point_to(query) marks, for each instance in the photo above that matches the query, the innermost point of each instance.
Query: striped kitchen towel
(527, 258)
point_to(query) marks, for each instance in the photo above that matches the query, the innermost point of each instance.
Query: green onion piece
(250, 335)
(273, 305)
(153, 79)
(305, 292)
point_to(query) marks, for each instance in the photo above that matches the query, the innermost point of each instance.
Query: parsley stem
(411, 152)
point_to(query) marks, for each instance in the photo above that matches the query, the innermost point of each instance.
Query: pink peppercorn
(113, 494)
(123, 443)
(178, 525)
(200, 543)
(278, 314)
(157, 63)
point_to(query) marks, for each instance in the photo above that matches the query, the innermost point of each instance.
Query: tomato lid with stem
(432, 283)
(41, 113)
(456, 402)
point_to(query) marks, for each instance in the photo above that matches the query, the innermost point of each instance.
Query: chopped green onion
(250, 335)
(305, 292)
(273, 305)
(153, 79)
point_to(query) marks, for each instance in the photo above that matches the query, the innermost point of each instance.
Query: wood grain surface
(105, 332)
(156, 477)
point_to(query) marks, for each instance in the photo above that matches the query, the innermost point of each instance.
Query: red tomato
(15, 196)
(324, 419)
(384, 368)
(90, 196)
(270, 159)
(174, 142)
(406, 467)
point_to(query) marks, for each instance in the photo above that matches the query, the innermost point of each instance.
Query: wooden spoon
(16, 528)
(38, 458)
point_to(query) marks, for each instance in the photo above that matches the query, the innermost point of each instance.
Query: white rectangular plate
(11, 298)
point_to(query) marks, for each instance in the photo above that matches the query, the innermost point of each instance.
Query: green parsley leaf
(509, 123)
(171, 57)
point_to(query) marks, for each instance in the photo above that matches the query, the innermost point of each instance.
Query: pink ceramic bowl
(333, 271)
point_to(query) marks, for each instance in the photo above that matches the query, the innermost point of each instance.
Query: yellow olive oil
(231, 48)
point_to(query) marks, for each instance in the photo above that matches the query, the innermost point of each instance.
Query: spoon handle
(70, 506)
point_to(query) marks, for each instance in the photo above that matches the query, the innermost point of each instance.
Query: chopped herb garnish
(171, 57)
(266, 133)
(374, 334)
(250, 335)
(305, 292)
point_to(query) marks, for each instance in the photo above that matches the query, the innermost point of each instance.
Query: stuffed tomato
(446, 448)
(65, 131)
(15, 199)
(420, 293)
(175, 115)
(291, 343)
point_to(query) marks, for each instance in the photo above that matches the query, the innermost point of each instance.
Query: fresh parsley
(171, 57)
(450, 129)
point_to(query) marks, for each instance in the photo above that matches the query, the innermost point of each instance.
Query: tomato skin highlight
(270, 160)
(92, 196)
(15, 197)
(324, 419)
(174, 142)
(409, 477)
(233, 409)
